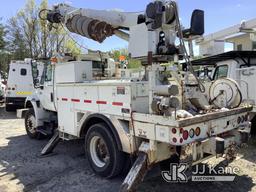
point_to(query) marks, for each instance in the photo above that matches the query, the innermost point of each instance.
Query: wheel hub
(99, 151)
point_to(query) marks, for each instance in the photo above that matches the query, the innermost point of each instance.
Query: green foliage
(132, 63)
(30, 35)
(71, 47)
(2, 36)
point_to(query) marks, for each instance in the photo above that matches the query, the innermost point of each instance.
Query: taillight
(197, 131)
(185, 135)
(174, 131)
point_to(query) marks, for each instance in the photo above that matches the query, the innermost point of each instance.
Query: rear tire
(30, 125)
(101, 149)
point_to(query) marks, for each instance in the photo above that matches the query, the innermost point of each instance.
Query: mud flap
(51, 144)
(136, 174)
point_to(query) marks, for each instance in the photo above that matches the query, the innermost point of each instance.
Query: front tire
(101, 149)
(30, 125)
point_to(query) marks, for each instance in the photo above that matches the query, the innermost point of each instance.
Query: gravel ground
(22, 169)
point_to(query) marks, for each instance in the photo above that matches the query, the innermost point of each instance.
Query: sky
(219, 14)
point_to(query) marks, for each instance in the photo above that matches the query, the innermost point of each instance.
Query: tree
(2, 36)
(4, 55)
(132, 63)
(30, 34)
(16, 44)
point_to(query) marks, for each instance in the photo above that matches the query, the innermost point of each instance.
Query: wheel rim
(31, 124)
(99, 151)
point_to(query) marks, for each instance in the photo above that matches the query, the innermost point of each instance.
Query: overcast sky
(219, 14)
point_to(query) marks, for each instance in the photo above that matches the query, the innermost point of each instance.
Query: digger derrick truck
(158, 119)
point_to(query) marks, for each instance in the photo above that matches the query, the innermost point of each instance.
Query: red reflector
(75, 100)
(101, 102)
(117, 104)
(185, 135)
(174, 140)
(88, 101)
(174, 131)
(64, 99)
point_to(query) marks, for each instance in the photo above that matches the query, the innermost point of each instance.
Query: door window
(23, 72)
(221, 72)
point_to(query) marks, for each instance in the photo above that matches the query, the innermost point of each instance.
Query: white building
(243, 42)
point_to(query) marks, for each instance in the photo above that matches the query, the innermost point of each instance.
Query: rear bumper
(218, 146)
(18, 101)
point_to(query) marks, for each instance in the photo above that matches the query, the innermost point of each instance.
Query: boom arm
(93, 24)
(152, 33)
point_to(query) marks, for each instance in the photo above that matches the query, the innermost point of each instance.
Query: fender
(101, 118)
(34, 102)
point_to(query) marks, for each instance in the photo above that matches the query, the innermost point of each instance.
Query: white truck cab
(20, 83)
(237, 65)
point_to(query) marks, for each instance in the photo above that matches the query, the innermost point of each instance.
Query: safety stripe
(23, 93)
(75, 100)
(101, 102)
(117, 104)
(97, 102)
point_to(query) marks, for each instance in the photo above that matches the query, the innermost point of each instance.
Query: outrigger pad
(136, 174)
(51, 144)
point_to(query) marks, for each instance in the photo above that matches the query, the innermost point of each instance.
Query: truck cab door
(221, 71)
(46, 92)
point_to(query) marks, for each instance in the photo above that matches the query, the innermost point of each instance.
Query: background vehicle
(239, 66)
(20, 83)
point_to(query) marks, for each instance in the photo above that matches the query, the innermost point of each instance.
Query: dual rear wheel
(102, 151)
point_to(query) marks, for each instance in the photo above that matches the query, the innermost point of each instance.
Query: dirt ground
(22, 169)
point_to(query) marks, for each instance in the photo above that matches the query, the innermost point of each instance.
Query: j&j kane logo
(178, 173)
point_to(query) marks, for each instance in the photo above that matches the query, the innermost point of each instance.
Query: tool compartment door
(66, 114)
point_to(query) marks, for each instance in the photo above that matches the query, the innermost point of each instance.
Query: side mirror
(197, 22)
(196, 25)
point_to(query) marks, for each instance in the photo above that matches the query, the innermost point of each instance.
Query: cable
(40, 14)
(182, 43)
(80, 45)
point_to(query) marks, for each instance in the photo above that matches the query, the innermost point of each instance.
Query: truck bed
(170, 121)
